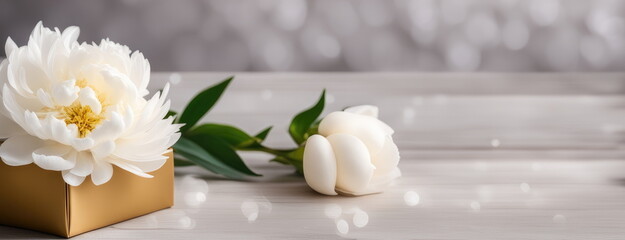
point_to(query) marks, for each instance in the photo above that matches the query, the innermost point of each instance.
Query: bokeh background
(341, 35)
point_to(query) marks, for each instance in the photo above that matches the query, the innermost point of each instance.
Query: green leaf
(223, 152)
(257, 141)
(263, 134)
(196, 154)
(304, 120)
(314, 128)
(171, 113)
(232, 135)
(182, 163)
(281, 160)
(201, 104)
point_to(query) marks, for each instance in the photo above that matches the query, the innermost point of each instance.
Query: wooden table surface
(484, 156)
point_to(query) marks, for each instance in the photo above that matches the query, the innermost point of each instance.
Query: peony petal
(365, 110)
(36, 33)
(46, 126)
(163, 94)
(11, 106)
(79, 59)
(59, 130)
(130, 168)
(122, 87)
(3, 80)
(84, 164)
(82, 144)
(53, 157)
(72, 179)
(110, 129)
(140, 72)
(354, 168)
(320, 165)
(10, 47)
(128, 116)
(385, 127)
(70, 35)
(22, 82)
(102, 173)
(87, 97)
(174, 137)
(103, 150)
(365, 128)
(65, 93)
(149, 166)
(32, 124)
(44, 98)
(387, 159)
(18, 150)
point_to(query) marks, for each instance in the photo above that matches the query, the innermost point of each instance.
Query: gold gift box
(36, 199)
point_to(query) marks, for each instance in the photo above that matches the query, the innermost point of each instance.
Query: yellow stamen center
(81, 83)
(82, 116)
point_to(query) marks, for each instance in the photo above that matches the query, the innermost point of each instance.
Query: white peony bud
(353, 153)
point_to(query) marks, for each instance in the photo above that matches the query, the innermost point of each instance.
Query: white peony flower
(353, 153)
(80, 108)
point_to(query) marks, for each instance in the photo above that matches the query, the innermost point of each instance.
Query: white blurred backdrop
(344, 35)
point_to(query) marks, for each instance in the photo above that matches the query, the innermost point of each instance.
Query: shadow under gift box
(37, 199)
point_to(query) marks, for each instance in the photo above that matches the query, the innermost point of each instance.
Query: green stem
(293, 157)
